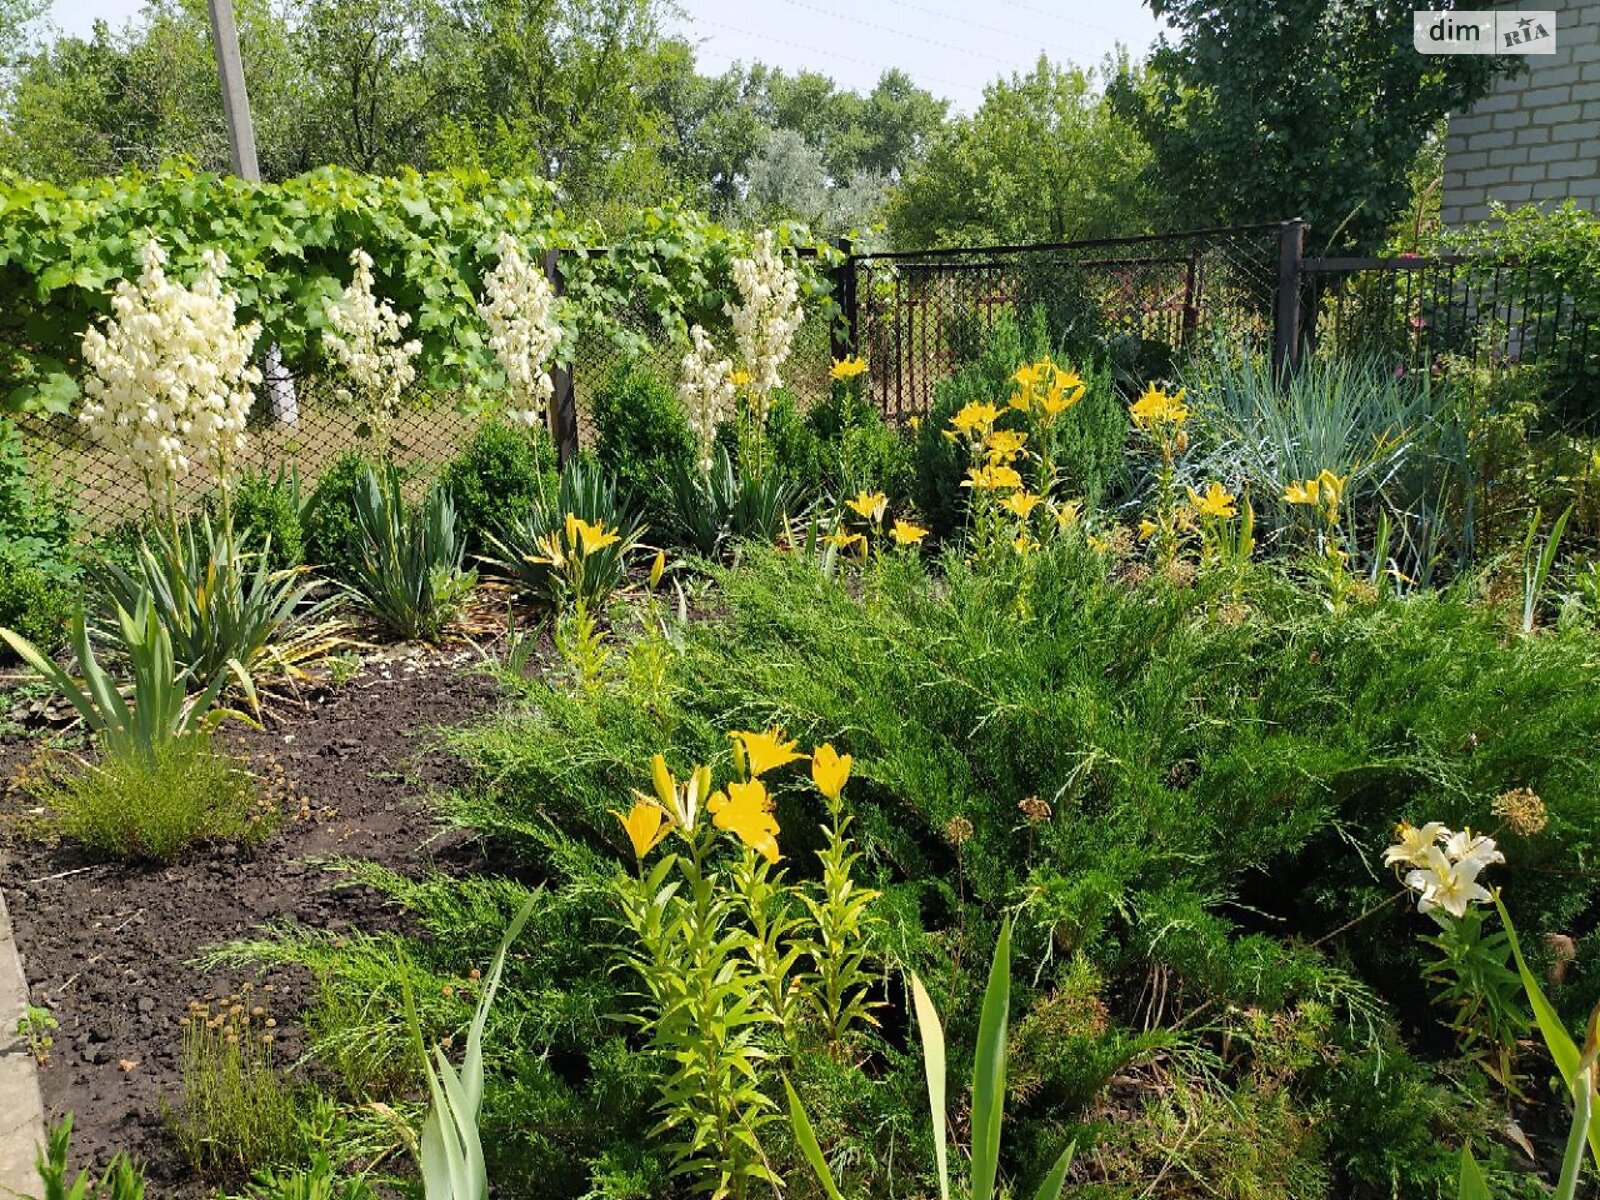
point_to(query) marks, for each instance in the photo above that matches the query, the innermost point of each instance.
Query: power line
(1055, 16)
(969, 23)
(825, 54)
(900, 33)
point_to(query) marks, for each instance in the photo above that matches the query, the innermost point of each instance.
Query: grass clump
(237, 1112)
(154, 806)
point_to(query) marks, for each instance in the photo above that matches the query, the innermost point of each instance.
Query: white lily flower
(1415, 843)
(1467, 846)
(1452, 886)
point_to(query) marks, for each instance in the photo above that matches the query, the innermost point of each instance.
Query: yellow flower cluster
(1045, 390)
(847, 367)
(872, 508)
(1157, 409)
(1326, 492)
(744, 808)
(576, 541)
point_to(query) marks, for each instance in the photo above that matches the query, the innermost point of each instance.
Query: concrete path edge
(21, 1109)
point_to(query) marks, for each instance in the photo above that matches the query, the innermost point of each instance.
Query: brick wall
(1536, 138)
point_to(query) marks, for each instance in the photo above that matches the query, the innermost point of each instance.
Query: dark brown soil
(107, 947)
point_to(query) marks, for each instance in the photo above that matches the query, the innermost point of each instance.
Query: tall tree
(1044, 158)
(1261, 110)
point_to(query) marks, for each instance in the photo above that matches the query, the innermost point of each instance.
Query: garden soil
(109, 949)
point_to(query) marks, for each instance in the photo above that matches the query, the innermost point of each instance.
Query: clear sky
(951, 47)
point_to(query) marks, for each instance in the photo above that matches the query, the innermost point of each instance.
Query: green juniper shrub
(796, 450)
(328, 521)
(267, 513)
(156, 805)
(497, 476)
(642, 432)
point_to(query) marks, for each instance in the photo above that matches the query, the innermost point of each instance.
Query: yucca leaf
(1472, 1185)
(933, 1067)
(989, 1070)
(1050, 1189)
(1563, 1050)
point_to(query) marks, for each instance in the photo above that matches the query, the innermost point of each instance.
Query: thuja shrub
(642, 433)
(155, 805)
(329, 520)
(498, 476)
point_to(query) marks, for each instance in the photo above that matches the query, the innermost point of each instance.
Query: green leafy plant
(574, 548)
(161, 709)
(123, 1179)
(268, 514)
(988, 1091)
(224, 607)
(404, 561)
(328, 519)
(151, 808)
(1536, 567)
(641, 433)
(319, 1181)
(37, 1026)
(37, 595)
(450, 1147)
(730, 504)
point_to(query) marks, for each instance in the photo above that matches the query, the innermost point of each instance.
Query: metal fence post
(1286, 318)
(564, 403)
(842, 333)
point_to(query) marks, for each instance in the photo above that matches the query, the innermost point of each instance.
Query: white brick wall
(1536, 138)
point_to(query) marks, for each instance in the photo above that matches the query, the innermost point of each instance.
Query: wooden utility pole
(242, 151)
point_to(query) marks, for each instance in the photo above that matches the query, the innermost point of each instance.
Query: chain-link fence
(917, 316)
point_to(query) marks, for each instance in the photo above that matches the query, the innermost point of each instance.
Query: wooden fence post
(1286, 319)
(564, 403)
(842, 333)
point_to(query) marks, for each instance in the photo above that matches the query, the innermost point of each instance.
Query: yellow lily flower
(1309, 492)
(1027, 376)
(844, 539)
(992, 478)
(1217, 501)
(847, 367)
(764, 751)
(745, 810)
(681, 801)
(658, 568)
(1004, 445)
(646, 824)
(1147, 529)
(1025, 545)
(907, 534)
(1158, 407)
(1021, 503)
(829, 770)
(1068, 513)
(976, 417)
(1332, 487)
(870, 505)
(740, 378)
(587, 538)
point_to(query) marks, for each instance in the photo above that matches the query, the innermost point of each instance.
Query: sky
(951, 53)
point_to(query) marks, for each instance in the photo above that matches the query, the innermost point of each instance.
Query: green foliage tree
(1313, 108)
(1044, 158)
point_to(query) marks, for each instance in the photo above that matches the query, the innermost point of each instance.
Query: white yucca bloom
(518, 305)
(364, 336)
(171, 383)
(766, 318)
(706, 393)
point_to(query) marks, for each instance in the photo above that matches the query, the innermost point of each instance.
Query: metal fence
(916, 316)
